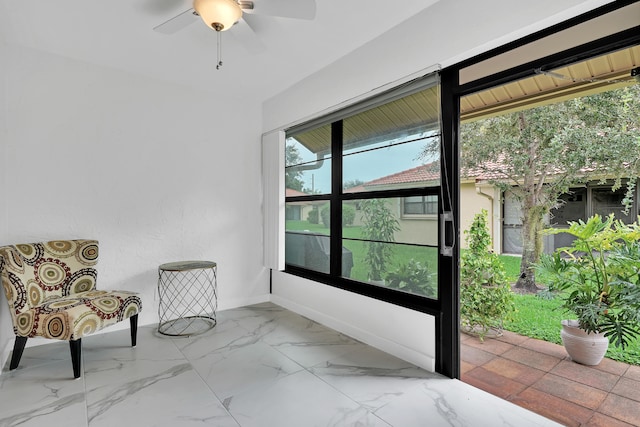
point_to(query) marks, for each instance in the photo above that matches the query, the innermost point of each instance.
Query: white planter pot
(584, 348)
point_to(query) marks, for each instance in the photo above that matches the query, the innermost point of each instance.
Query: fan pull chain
(219, 50)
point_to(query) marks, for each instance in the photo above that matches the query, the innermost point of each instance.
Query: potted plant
(486, 299)
(598, 280)
(378, 226)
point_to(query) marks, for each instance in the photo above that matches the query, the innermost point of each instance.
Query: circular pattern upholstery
(51, 273)
(30, 253)
(88, 254)
(83, 280)
(73, 317)
(130, 307)
(24, 324)
(13, 261)
(60, 248)
(83, 284)
(61, 304)
(57, 327)
(17, 298)
(8, 290)
(106, 307)
(36, 293)
(87, 324)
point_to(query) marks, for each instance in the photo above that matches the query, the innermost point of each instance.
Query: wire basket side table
(188, 293)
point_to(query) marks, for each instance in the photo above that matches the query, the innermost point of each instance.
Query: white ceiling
(119, 34)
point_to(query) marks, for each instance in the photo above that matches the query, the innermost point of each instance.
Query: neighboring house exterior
(477, 193)
(417, 213)
(579, 204)
(298, 211)
(413, 213)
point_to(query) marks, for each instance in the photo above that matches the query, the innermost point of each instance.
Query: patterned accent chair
(51, 290)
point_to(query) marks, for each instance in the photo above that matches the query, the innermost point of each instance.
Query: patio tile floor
(541, 377)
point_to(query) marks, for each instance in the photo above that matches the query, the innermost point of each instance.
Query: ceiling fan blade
(243, 32)
(299, 9)
(177, 23)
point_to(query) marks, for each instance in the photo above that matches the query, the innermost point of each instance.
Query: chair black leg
(134, 329)
(18, 348)
(76, 353)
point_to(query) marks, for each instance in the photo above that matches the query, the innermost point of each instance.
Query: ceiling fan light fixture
(218, 14)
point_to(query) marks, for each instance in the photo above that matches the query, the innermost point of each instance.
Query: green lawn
(360, 271)
(540, 318)
(512, 266)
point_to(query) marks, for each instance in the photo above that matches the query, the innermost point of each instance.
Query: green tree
(379, 225)
(348, 215)
(293, 177)
(352, 183)
(538, 154)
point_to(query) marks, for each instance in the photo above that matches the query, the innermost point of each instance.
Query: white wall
(5, 319)
(155, 172)
(444, 34)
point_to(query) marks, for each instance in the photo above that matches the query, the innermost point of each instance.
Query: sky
(366, 166)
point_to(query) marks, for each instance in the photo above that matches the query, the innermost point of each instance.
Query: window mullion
(336, 200)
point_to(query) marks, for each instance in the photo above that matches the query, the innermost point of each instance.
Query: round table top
(187, 265)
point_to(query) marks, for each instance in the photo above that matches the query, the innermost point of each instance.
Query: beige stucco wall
(418, 230)
(424, 229)
(472, 202)
(421, 230)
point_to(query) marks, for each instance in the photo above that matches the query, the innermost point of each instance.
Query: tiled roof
(425, 173)
(422, 173)
(431, 172)
(290, 192)
(490, 170)
(357, 189)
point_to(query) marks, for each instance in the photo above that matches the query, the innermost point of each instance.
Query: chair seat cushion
(72, 317)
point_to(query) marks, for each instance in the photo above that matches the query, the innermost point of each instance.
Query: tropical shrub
(413, 277)
(325, 215)
(313, 216)
(348, 215)
(598, 277)
(379, 225)
(486, 299)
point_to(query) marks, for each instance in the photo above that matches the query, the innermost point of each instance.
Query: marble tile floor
(262, 365)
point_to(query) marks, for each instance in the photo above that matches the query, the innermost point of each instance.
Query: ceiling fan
(223, 15)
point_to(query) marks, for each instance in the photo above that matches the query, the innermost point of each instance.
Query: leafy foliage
(485, 296)
(352, 183)
(379, 226)
(314, 216)
(348, 215)
(292, 177)
(598, 277)
(413, 277)
(539, 153)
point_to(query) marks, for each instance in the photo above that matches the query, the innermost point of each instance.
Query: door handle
(446, 249)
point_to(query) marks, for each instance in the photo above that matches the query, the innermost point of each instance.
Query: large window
(355, 179)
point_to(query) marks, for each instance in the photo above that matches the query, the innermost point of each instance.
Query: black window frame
(336, 197)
